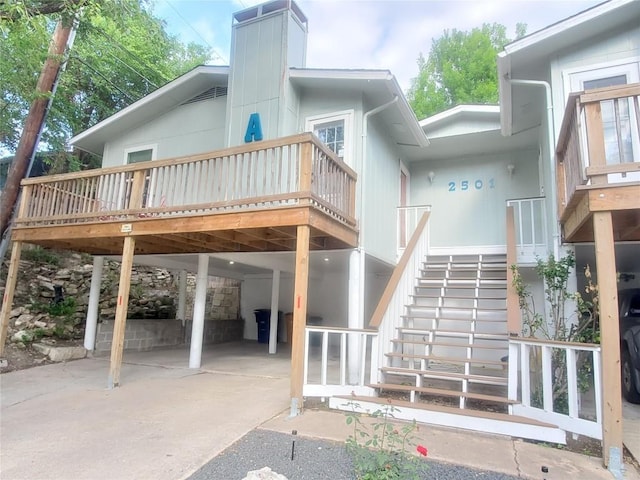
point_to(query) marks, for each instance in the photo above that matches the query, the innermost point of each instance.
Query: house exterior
(351, 229)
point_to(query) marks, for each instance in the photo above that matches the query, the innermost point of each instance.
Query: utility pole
(34, 122)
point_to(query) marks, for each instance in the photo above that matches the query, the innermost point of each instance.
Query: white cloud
(378, 34)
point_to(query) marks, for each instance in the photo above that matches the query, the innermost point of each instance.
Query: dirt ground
(18, 356)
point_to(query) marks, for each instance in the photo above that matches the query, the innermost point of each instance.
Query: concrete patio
(165, 421)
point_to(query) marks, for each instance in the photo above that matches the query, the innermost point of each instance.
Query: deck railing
(558, 383)
(330, 355)
(599, 141)
(295, 170)
(408, 217)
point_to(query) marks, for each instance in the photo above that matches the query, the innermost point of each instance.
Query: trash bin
(263, 320)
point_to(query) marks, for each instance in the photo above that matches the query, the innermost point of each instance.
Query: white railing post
(525, 374)
(572, 382)
(547, 379)
(514, 351)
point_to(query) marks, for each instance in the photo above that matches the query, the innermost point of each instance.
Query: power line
(117, 44)
(149, 82)
(75, 57)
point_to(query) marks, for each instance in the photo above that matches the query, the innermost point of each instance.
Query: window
(332, 135)
(335, 131)
(621, 142)
(139, 156)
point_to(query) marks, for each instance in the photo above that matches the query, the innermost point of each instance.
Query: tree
(121, 53)
(461, 68)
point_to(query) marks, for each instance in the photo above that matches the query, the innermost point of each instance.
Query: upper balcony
(248, 198)
(598, 162)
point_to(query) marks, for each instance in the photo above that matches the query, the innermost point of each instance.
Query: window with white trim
(335, 131)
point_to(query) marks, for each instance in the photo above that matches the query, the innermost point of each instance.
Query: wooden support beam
(609, 335)
(299, 318)
(9, 290)
(621, 197)
(514, 326)
(120, 322)
(576, 218)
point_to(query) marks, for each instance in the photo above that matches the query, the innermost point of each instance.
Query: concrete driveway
(165, 421)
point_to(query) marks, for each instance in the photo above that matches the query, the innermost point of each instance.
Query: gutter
(551, 141)
(362, 175)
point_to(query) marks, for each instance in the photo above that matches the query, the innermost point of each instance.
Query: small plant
(41, 256)
(66, 308)
(384, 454)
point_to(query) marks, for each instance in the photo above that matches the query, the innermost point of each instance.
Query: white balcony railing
(530, 220)
(407, 219)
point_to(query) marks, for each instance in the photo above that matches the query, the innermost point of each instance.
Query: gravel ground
(313, 460)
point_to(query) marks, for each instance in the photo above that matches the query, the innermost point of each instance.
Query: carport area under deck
(289, 194)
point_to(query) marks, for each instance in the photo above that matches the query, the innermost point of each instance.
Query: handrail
(398, 272)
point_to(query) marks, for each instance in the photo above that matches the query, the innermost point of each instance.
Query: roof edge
(165, 89)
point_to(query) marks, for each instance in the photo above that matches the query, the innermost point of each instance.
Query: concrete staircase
(448, 362)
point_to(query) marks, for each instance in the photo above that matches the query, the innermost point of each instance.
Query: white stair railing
(576, 363)
(326, 363)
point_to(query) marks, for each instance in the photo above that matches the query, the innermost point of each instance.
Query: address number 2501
(467, 185)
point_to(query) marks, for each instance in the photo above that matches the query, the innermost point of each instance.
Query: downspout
(365, 130)
(552, 163)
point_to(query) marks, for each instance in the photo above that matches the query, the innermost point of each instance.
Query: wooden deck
(593, 174)
(243, 199)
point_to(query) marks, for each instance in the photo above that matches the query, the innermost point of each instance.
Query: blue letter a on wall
(254, 129)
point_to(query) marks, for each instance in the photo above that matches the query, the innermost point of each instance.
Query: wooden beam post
(299, 318)
(9, 290)
(609, 338)
(120, 322)
(514, 326)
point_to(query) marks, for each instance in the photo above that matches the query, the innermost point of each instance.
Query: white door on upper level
(619, 117)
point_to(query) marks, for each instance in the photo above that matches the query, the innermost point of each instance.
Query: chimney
(266, 40)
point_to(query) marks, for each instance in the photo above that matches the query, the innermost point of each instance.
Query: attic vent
(214, 92)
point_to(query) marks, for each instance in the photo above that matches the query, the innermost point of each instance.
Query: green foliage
(121, 53)
(41, 256)
(65, 308)
(559, 326)
(383, 454)
(460, 69)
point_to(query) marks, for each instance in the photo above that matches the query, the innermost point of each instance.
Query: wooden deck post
(299, 318)
(120, 322)
(609, 338)
(514, 326)
(9, 290)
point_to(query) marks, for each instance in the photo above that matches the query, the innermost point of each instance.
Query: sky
(373, 34)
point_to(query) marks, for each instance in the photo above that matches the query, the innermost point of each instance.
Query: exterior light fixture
(431, 176)
(511, 168)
